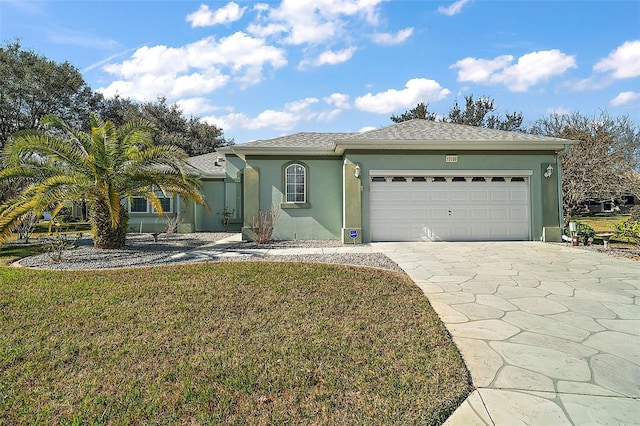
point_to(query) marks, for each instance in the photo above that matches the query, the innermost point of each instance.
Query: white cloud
(624, 61)
(327, 116)
(301, 105)
(480, 70)
(205, 17)
(195, 69)
(624, 98)
(283, 120)
(196, 83)
(453, 9)
(195, 106)
(339, 100)
(312, 21)
(531, 69)
(416, 90)
(329, 57)
(236, 51)
(366, 129)
(392, 39)
(156, 60)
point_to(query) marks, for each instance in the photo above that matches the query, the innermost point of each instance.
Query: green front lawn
(602, 223)
(223, 343)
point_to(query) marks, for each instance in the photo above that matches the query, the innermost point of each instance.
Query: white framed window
(295, 183)
(166, 203)
(138, 205)
(141, 205)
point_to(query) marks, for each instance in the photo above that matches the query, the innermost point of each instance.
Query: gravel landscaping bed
(142, 250)
(626, 252)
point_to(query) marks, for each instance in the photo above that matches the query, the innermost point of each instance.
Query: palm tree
(61, 165)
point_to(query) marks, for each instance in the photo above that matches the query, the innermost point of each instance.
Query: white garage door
(449, 208)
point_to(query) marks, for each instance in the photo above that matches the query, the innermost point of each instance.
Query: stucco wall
(544, 204)
(321, 218)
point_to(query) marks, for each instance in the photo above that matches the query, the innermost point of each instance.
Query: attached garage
(418, 180)
(446, 206)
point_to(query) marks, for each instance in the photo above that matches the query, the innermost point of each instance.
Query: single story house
(418, 180)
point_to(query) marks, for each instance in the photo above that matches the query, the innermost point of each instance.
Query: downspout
(560, 195)
(177, 211)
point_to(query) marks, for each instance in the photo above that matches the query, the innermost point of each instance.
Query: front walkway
(550, 333)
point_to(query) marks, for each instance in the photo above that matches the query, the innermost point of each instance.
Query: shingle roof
(298, 140)
(208, 164)
(427, 130)
(409, 135)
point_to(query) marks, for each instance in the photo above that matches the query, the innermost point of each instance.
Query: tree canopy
(193, 135)
(34, 86)
(61, 164)
(421, 111)
(603, 165)
(479, 112)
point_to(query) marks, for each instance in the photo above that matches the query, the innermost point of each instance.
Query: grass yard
(225, 343)
(602, 223)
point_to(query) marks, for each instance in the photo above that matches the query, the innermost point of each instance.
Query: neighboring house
(417, 180)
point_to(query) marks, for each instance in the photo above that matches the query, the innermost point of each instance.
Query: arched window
(295, 182)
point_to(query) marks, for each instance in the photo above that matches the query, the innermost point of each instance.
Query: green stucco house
(417, 180)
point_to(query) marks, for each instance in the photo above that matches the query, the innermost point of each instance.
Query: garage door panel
(456, 214)
(439, 214)
(479, 214)
(499, 213)
(460, 195)
(518, 195)
(460, 232)
(419, 195)
(479, 195)
(518, 213)
(419, 214)
(439, 195)
(437, 232)
(499, 195)
(399, 196)
(449, 211)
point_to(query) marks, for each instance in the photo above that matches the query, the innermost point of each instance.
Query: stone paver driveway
(550, 333)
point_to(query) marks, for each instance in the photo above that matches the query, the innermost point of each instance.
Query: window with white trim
(138, 205)
(295, 183)
(166, 204)
(141, 205)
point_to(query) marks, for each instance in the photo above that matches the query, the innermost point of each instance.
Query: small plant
(586, 233)
(171, 223)
(27, 226)
(262, 225)
(226, 218)
(58, 243)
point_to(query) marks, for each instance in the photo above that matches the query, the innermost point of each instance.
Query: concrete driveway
(550, 333)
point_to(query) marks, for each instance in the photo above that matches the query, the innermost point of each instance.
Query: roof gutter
(271, 151)
(445, 145)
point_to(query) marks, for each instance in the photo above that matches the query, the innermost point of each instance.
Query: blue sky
(264, 69)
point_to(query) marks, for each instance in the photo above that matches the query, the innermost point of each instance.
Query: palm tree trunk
(105, 236)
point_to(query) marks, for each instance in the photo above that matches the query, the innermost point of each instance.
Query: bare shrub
(262, 225)
(171, 223)
(27, 226)
(58, 243)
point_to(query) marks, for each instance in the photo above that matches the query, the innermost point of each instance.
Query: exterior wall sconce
(549, 171)
(357, 171)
